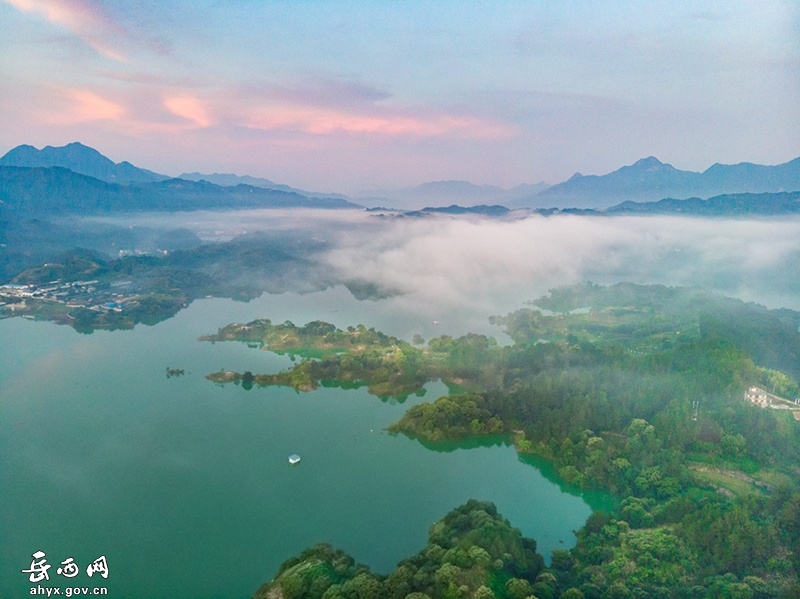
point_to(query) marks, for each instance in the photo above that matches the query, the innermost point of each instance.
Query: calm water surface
(184, 485)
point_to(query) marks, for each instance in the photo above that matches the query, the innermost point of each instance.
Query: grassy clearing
(735, 482)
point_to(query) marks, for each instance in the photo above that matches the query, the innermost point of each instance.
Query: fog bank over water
(493, 263)
(436, 266)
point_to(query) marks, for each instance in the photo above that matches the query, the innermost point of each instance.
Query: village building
(758, 396)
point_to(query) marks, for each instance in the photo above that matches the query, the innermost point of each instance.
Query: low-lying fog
(476, 266)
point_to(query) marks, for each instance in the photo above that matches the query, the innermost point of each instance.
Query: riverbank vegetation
(635, 389)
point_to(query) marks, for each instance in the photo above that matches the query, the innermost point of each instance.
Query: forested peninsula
(679, 401)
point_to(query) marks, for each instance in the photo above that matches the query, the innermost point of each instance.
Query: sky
(353, 95)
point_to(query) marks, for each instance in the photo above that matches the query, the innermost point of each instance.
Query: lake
(184, 484)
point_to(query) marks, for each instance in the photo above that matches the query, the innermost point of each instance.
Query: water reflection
(451, 445)
(597, 499)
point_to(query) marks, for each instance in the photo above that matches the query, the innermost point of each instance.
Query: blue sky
(353, 95)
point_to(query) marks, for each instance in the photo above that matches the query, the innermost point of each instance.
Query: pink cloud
(327, 121)
(84, 18)
(327, 106)
(141, 113)
(189, 108)
(82, 106)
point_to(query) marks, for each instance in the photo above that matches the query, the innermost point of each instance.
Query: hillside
(231, 180)
(740, 204)
(650, 180)
(46, 191)
(472, 552)
(80, 159)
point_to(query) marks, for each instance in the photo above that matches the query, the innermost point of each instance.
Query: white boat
(294, 459)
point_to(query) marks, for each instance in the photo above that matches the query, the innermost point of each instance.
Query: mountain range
(80, 159)
(649, 180)
(36, 192)
(735, 204)
(77, 179)
(36, 185)
(231, 180)
(726, 205)
(80, 177)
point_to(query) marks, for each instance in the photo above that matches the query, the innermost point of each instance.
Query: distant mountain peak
(76, 145)
(79, 151)
(81, 159)
(650, 164)
(649, 180)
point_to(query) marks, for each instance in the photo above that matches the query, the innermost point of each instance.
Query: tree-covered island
(645, 391)
(352, 358)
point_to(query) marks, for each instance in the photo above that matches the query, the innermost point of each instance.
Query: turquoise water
(184, 485)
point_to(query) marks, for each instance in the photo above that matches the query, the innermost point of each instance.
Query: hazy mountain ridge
(726, 205)
(80, 159)
(646, 180)
(39, 192)
(232, 180)
(27, 192)
(649, 180)
(446, 193)
(493, 211)
(738, 204)
(631, 188)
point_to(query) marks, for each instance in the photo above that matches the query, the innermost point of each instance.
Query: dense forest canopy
(636, 389)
